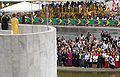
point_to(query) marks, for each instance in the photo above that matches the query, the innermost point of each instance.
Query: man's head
(14, 15)
(3, 13)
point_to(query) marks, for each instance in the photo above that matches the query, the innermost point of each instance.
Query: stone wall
(29, 54)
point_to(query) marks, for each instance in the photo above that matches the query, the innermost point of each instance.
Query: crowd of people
(79, 9)
(70, 10)
(89, 52)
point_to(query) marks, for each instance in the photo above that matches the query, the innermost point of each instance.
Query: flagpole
(32, 12)
(47, 12)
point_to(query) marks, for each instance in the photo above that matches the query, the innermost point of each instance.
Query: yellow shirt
(14, 25)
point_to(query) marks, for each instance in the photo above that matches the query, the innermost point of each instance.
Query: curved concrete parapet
(29, 54)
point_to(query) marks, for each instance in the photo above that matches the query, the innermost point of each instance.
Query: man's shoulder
(14, 19)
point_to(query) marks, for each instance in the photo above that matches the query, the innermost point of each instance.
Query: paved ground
(115, 31)
(78, 69)
(72, 35)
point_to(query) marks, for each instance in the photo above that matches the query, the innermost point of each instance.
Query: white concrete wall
(31, 54)
(5, 31)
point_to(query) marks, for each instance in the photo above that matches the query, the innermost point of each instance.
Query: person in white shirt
(104, 46)
(95, 60)
(87, 57)
(82, 37)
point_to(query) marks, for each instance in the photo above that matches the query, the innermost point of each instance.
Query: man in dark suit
(4, 21)
(23, 19)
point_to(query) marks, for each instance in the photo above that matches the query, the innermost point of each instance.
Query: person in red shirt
(116, 61)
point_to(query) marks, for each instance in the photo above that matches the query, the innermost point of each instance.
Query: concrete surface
(79, 69)
(5, 31)
(29, 54)
(70, 32)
